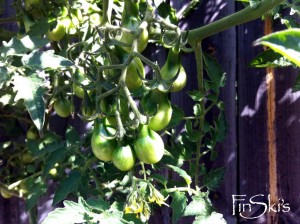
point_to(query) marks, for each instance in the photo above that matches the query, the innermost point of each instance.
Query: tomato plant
(86, 58)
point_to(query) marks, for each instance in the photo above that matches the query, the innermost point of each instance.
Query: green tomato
(142, 40)
(27, 157)
(29, 4)
(5, 194)
(101, 146)
(63, 107)
(162, 117)
(133, 80)
(180, 81)
(123, 158)
(149, 146)
(32, 133)
(57, 33)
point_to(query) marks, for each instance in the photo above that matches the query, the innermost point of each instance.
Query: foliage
(90, 52)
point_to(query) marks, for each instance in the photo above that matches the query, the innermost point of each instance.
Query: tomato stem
(241, 17)
(200, 78)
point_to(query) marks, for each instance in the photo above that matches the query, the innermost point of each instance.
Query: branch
(235, 19)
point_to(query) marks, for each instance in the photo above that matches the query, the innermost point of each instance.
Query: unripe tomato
(57, 33)
(142, 40)
(29, 4)
(5, 194)
(63, 107)
(27, 157)
(133, 81)
(162, 117)
(101, 146)
(32, 133)
(149, 146)
(180, 81)
(123, 158)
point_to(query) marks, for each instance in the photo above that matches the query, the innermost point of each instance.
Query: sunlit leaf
(31, 90)
(24, 45)
(46, 60)
(286, 43)
(4, 76)
(269, 58)
(182, 173)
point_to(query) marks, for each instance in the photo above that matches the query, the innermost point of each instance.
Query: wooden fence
(262, 150)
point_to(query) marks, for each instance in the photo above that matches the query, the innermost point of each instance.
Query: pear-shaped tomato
(180, 81)
(123, 157)
(32, 133)
(135, 68)
(159, 103)
(63, 107)
(149, 146)
(5, 194)
(102, 146)
(57, 33)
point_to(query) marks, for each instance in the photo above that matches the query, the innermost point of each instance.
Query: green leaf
(67, 186)
(178, 205)
(55, 157)
(285, 43)
(98, 204)
(197, 109)
(222, 127)
(177, 116)
(41, 27)
(111, 216)
(4, 76)
(200, 204)
(296, 86)
(269, 58)
(19, 47)
(70, 214)
(167, 12)
(36, 190)
(46, 60)
(214, 217)
(72, 137)
(192, 135)
(31, 90)
(214, 72)
(181, 173)
(161, 179)
(196, 95)
(213, 178)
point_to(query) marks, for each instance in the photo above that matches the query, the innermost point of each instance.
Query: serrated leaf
(67, 186)
(213, 178)
(4, 76)
(182, 173)
(177, 116)
(46, 60)
(163, 180)
(72, 137)
(55, 157)
(31, 90)
(37, 189)
(178, 205)
(192, 135)
(214, 72)
(98, 204)
(196, 95)
(269, 58)
(285, 43)
(167, 12)
(198, 205)
(24, 45)
(222, 127)
(70, 214)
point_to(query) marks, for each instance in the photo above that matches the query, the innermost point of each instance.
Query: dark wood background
(246, 150)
